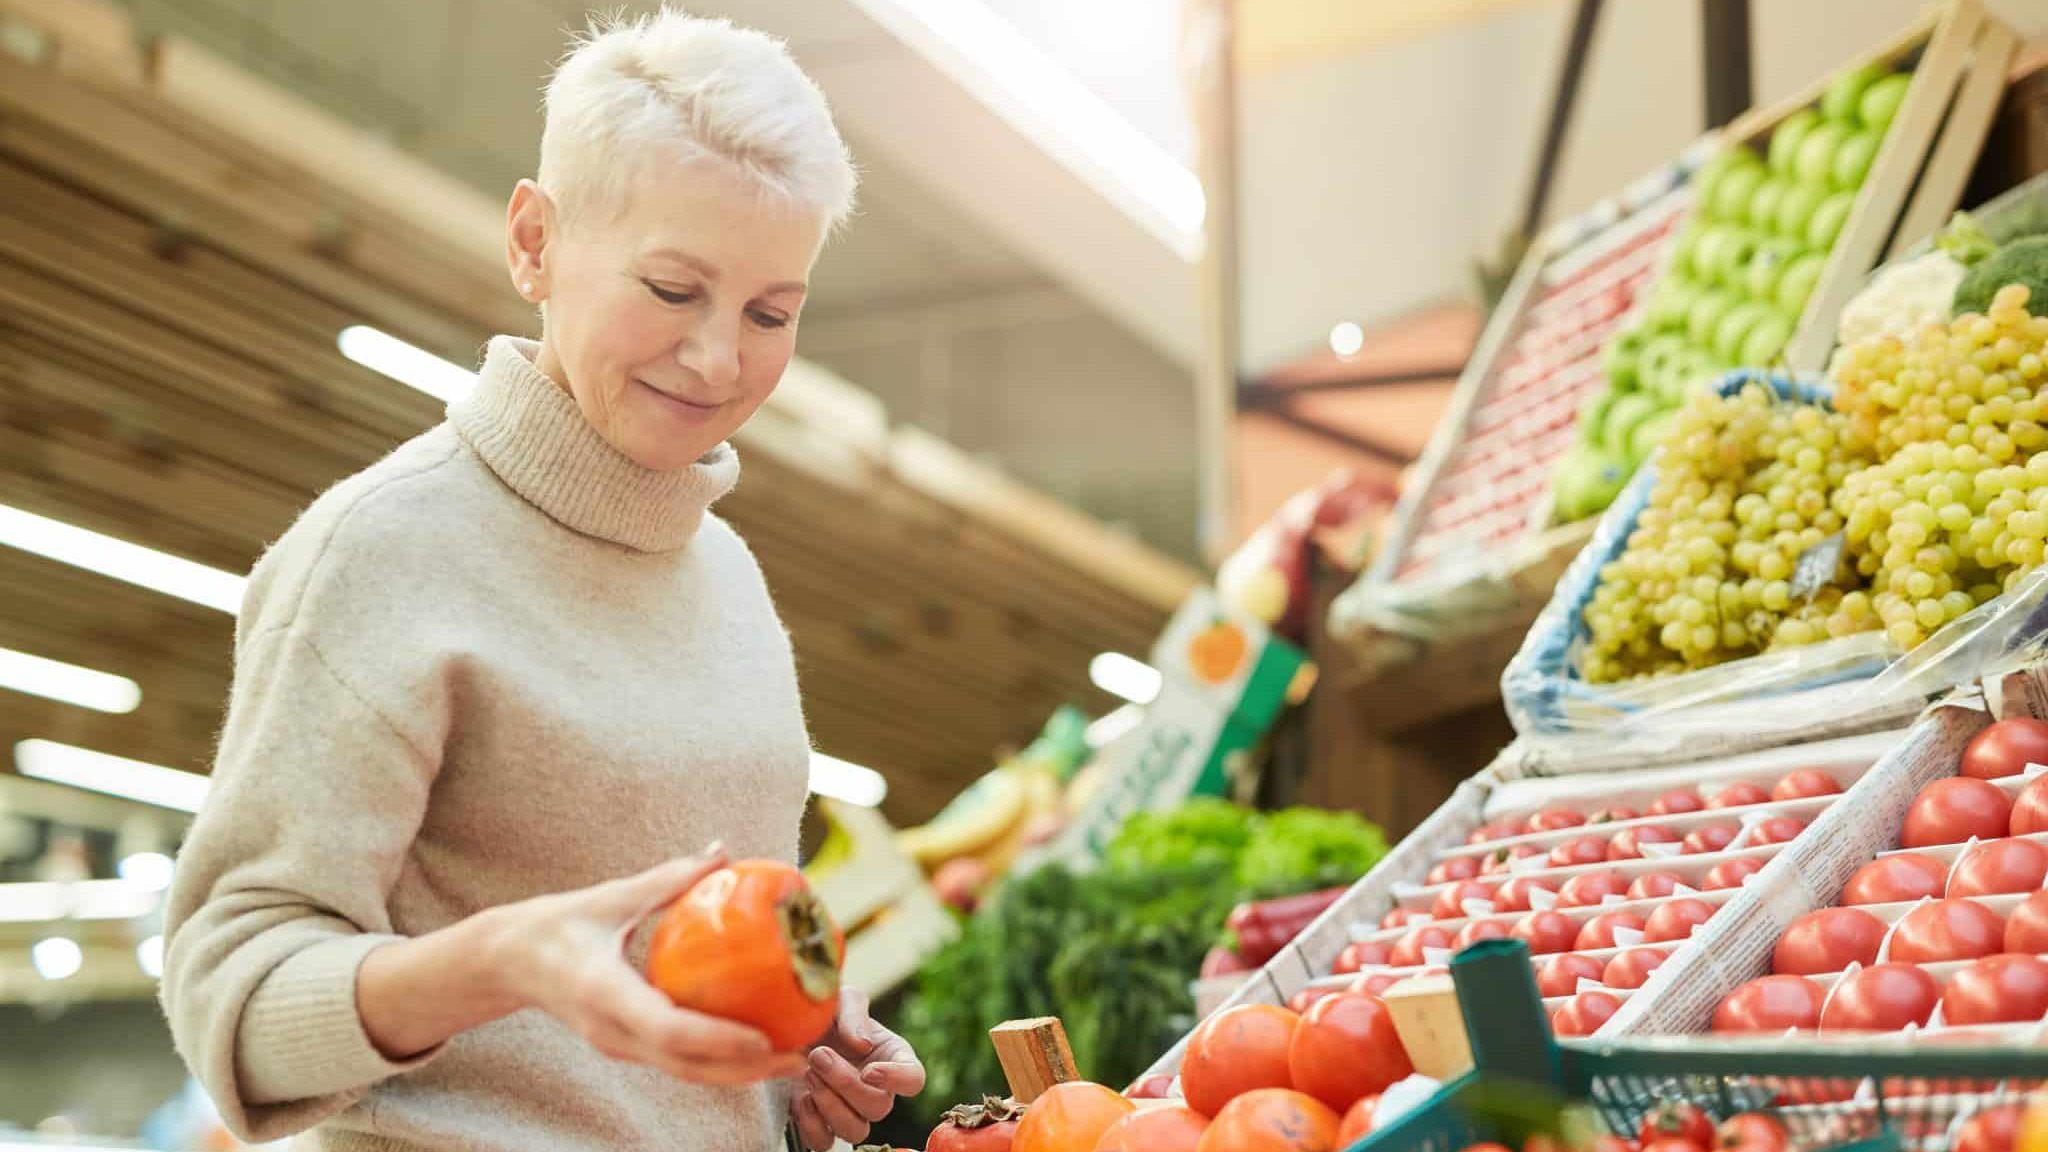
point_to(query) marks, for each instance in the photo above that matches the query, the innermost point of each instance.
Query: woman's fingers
(843, 1080)
(899, 1078)
(810, 1124)
(633, 898)
(846, 1123)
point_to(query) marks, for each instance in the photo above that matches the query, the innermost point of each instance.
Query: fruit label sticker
(1817, 566)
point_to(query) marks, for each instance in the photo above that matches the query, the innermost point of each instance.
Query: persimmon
(1172, 1128)
(1070, 1117)
(1235, 1051)
(990, 1126)
(752, 943)
(1272, 1120)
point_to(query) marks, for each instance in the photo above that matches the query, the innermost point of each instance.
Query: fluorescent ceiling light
(68, 683)
(149, 870)
(1346, 339)
(57, 958)
(1119, 675)
(144, 567)
(831, 776)
(1115, 726)
(409, 364)
(1072, 119)
(40, 902)
(113, 775)
(149, 956)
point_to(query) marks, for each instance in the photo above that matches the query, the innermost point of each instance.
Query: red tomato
(1513, 896)
(1676, 919)
(1952, 810)
(1599, 931)
(1994, 1129)
(1591, 888)
(1556, 818)
(2026, 927)
(1673, 1144)
(1450, 903)
(1499, 830)
(1547, 932)
(1998, 989)
(1828, 940)
(1307, 998)
(1454, 868)
(1751, 1132)
(1583, 1014)
(2030, 811)
(1269, 1120)
(1500, 859)
(1804, 784)
(1739, 796)
(1776, 830)
(1581, 850)
(1403, 917)
(1654, 885)
(2000, 866)
(1235, 1051)
(1628, 843)
(1881, 998)
(1477, 930)
(1374, 983)
(1346, 1048)
(2006, 748)
(1357, 1122)
(1732, 873)
(1361, 954)
(1614, 815)
(1559, 975)
(1894, 879)
(1632, 968)
(1678, 1119)
(1771, 1004)
(1407, 951)
(1676, 802)
(1947, 930)
(1711, 838)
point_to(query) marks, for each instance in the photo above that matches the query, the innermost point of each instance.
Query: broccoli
(2024, 261)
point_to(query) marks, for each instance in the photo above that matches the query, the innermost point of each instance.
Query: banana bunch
(992, 820)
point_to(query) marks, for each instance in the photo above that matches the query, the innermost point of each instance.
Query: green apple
(1816, 160)
(1760, 279)
(1763, 203)
(1622, 419)
(1767, 338)
(1845, 94)
(1660, 355)
(1796, 282)
(1796, 208)
(1787, 137)
(1706, 314)
(1593, 417)
(1735, 327)
(1880, 103)
(1852, 159)
(1691, 367)
(1587, 481)
(1723, 162)
(1735, 255)
(1685, 250)
(1648, 435)
(1733, 190)
(1671, 301)
(1620, 359)
(1828, 220)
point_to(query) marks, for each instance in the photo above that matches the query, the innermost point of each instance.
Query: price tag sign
(1817, 565)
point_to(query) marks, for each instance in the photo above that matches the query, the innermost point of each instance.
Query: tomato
(1403, 917)
(1776, 830)
(1171, 1128)
(1679, 1119)
(2006, 748)
(990, 1126)
(1614, 815)
(1070, 1116)
(1628, 843)
(1673, 1144)
(1559, 975)
(1303, 1000)
(1346, 1048)
(2030, 811)
(1272, 1120)
(1489, 929)
(1157, 1086)
(1998, 989)
(1994, 1129)
(1501, 859)
(1632, 968)
(1235, 1051)
(1589, 889)
(1828, 940)
(1804, 784)
(1408, 950)
(1455, 868)
(1599, 931)
(1450, 903)
(1738, 796)
(1221, 961)
(1547, 932)
(1556, 818)
(751, 942)
(2026, 927)
(1583, 1014)
(1947, 930)
(1374, 983)
(1581, 850)
(2000, 866)
(1881, 998)
(1654, 885)
(1770, 1004)
(1951, 810)
(1751, 1132)
(1361, 954)
(1513, 896)
(1676, 919)
(1710, 838)
(1676, 802)
(1895, 879)
(1732, 873)
(1499, 830)
(1357, 1121)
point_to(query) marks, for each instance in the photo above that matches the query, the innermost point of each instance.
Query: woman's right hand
(565, 955)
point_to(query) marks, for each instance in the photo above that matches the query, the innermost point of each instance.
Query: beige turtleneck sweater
(503, 661)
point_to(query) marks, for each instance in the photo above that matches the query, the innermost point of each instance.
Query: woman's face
(670, 317)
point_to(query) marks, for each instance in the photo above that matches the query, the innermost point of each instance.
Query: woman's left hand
(855, 1075)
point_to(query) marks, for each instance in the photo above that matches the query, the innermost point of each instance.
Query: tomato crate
(1868, 1093)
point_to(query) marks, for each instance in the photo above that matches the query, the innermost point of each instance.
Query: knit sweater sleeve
(330, 748)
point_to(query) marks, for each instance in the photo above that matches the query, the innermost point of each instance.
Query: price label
(1817, 565)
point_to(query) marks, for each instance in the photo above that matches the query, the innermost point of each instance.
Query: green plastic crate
(1874, 1099)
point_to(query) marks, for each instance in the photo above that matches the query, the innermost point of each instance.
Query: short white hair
(689, 87)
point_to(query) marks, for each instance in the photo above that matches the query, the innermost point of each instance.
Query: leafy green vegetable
(1201, 831)
(1304, 848)
(2023, 261)
(1965, 240)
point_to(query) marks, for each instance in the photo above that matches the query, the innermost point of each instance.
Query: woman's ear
(530, 223)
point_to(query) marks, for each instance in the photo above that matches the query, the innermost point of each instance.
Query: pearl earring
(526, 288)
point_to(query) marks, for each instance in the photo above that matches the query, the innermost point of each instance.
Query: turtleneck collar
(529, 431)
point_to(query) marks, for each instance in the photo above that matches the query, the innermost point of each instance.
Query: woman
(487, 690)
